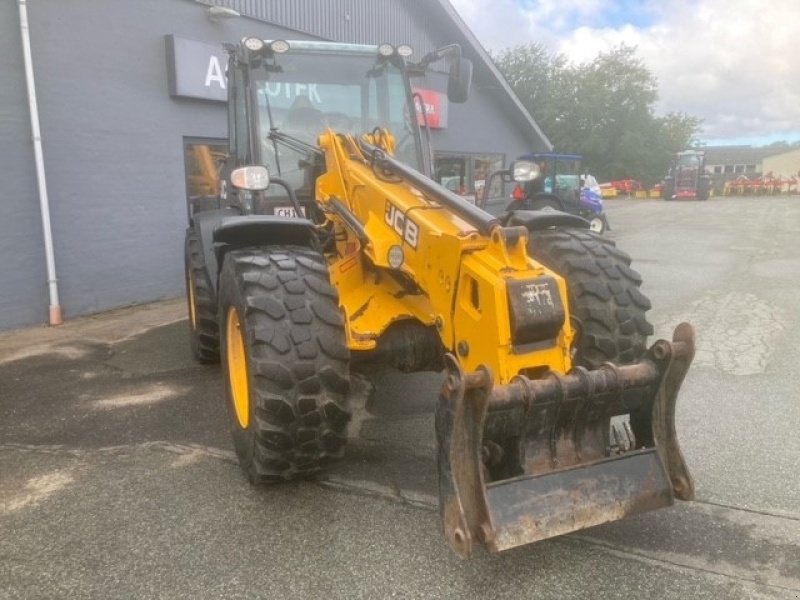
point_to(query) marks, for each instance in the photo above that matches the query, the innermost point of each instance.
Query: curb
(106, 327)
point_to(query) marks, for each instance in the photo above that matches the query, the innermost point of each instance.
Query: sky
(735, 64)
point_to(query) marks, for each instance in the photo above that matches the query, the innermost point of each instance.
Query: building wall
(23, 276)
(113, 148)
(398, 22)
(113, 145)
(786, 164)
(479, 125)
(735, 168)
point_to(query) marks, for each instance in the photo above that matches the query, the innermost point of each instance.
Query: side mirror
(254, 178)
(524, 170)
(459, 80)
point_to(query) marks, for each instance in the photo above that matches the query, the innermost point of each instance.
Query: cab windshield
(350, 93)
(688, 160)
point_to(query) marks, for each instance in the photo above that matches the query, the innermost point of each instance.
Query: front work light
(386, 50)
(524, 170)
(396, 257)
(405, 50)
(279, 46)
(253, 44)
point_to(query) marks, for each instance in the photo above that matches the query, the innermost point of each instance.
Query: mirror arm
(438, 54)
(429, 163)
(290, 192)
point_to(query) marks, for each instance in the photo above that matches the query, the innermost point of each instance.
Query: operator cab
(688, 160)
(557, 186)
(283, 95)
(559, 179)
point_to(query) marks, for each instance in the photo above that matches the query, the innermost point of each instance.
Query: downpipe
(55, 317)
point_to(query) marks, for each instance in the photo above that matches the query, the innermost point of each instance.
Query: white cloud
(733, 63)
(502, 23)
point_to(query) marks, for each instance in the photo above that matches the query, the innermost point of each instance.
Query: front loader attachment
(539, 458)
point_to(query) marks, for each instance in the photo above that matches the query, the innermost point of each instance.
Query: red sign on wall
(435, 106)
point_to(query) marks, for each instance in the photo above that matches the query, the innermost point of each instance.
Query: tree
(603, 109)
(539, 80)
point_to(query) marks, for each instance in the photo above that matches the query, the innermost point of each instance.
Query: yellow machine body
(460, 277)
(399, 256)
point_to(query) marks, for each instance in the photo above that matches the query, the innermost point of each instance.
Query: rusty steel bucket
(539, 458)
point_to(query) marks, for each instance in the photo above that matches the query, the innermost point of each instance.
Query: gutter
(56, 317)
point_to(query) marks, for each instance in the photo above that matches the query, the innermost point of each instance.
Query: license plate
(287, 211)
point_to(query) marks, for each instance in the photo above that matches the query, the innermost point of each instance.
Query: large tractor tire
(285, 362)
(668, 189)
(703, 188)
(608, 309)
(202, 306)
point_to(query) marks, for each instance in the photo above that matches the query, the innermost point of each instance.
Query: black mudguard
(204, 223)
(534, 220)
(226, 229)
(262, 230)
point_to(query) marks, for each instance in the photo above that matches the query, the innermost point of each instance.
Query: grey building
(131, 104)
(737, 160)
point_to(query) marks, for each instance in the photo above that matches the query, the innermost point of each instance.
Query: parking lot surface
(117, 477)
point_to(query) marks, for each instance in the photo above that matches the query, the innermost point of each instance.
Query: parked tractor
(687, 178)
(335, 250)
(561, 185)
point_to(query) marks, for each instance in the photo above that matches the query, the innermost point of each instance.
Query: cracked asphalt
(117, 477)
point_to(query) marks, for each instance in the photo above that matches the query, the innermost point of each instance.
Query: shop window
(729, 168)
(466, 174)
(203, 160)
(738, 169)
(718, 169)
(451, 172)
(750, 169)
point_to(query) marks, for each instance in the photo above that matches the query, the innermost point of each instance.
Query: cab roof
(553, 155)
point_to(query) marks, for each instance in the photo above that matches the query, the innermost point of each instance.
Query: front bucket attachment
(539, 458)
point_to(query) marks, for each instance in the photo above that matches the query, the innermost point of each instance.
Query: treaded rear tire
(703, 188)
(297, 361)
(604, 296)
(203, 327)
(669, 189)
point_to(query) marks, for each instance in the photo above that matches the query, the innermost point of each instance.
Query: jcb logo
(405, 227)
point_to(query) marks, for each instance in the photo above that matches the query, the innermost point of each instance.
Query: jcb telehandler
(334, 247)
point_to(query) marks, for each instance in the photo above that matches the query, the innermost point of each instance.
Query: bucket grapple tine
(459, 432)
(562, 471)
(665, 437)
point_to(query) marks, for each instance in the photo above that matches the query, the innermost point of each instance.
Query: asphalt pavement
(118, 480)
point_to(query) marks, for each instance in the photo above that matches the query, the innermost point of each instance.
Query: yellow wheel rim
(192, 309)
(237, 368)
